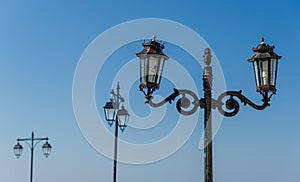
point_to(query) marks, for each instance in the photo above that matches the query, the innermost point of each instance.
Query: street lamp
(18, 149)
(46, 149)
(113, 113)
(264, 60)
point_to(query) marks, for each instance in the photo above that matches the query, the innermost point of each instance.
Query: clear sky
(41, 43)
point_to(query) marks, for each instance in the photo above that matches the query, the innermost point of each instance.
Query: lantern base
(264, 90)
(148, 89)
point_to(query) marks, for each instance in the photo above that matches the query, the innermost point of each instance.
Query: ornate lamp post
(113, 113)
(264, 60)
(18, 149)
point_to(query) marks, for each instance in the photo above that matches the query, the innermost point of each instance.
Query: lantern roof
(153, 47)
(263, 51)
(109, 105)
(123, 111)
(18, 146)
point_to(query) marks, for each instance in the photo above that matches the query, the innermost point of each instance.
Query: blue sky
(41, 43)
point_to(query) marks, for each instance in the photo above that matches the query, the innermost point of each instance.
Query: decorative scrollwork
(233, 105)
(182, 104)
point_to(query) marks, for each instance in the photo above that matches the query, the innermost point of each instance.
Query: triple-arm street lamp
(113, 113)
(18, 149)
(264, 61)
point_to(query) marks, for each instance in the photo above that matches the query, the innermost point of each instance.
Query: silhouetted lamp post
(18, 149)
(264, 60)
(115, 111)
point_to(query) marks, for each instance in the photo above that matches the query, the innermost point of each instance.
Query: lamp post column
(116, 149)
(31, 159)
(207, 88)
(116, 135)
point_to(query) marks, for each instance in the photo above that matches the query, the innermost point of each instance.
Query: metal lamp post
(18, 149)
(264, 60)
(115, 112)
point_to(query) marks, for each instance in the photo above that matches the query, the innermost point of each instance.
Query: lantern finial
(153, 38)
(262, 40)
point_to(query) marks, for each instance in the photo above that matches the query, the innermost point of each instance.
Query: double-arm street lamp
(264, 60)
(115, 112)
(32, 143)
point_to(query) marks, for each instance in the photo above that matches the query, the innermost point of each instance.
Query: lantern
(265, 63)
(123, 117)
(152, 61)
(18, 149)
(46, 149)
(110, 112)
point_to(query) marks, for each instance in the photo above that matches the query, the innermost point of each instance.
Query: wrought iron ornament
(187, 106)
(231, 103)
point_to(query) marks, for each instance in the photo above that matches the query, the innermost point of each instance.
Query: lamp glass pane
(143, 70)
(256, 73)
(264, 68)
(123, 117)
(160, 69)
(273, 71)
(123, 120)
(110, 114)
(153, 65)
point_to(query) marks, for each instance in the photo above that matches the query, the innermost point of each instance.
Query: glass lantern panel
(110, 114)
(273, 71)
(45, 151)
(256, 73)
(264, 73)
(160, 69)
(153, 65)
(143, 70)
(123, 121)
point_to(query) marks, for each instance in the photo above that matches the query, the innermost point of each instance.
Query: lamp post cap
(207, 56)
(263, 47)
(152, 47)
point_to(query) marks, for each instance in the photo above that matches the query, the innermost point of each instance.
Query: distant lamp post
(18, 149)
(264, 61)
(119, 116)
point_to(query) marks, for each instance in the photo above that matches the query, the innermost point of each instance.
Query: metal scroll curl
(183, 104)
(189, 105)
(233, 105)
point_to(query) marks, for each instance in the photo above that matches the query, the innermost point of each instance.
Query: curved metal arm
(32, 139)
(232, 104)
(182, 104)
